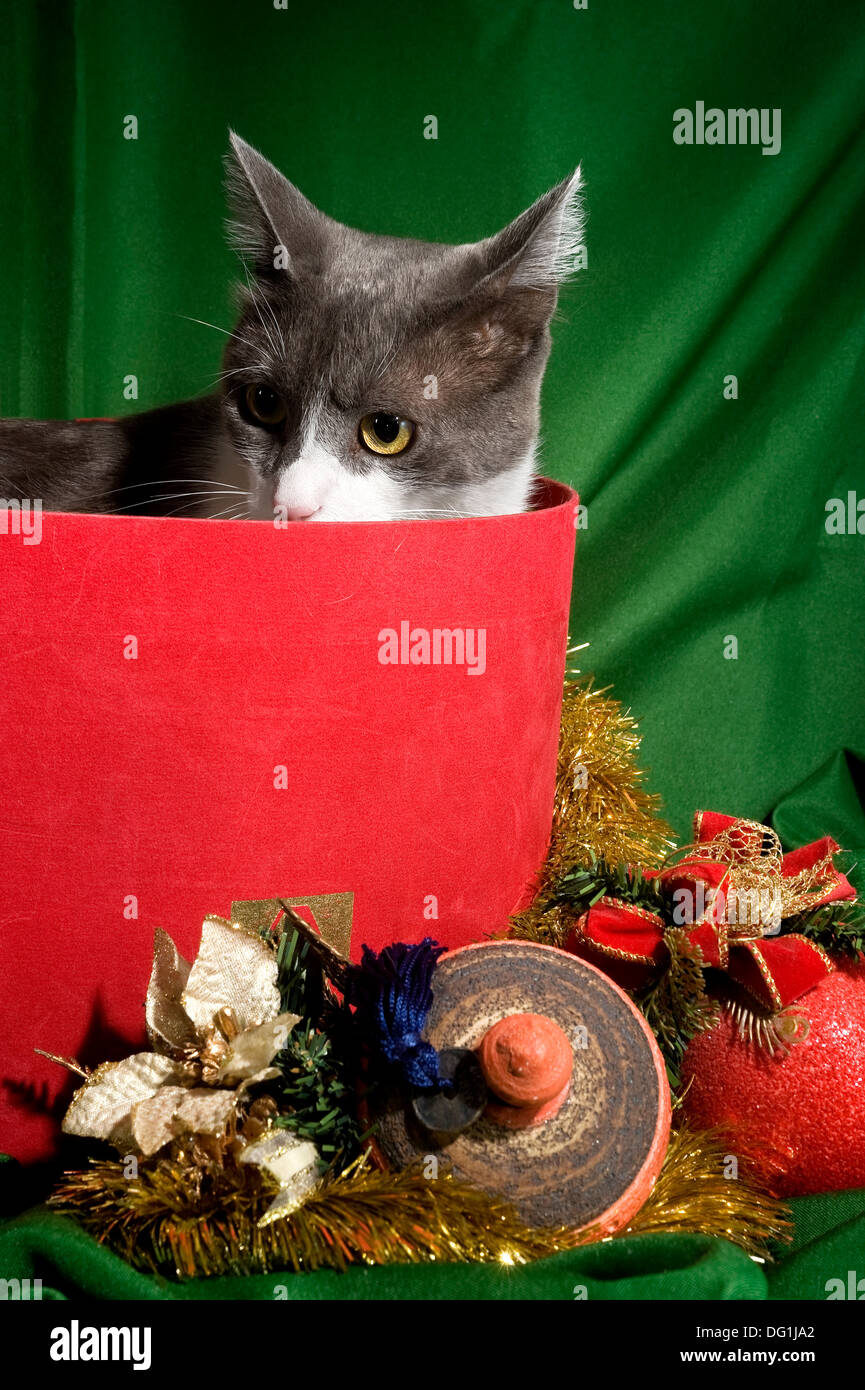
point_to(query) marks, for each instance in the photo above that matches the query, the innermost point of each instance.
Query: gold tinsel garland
(187, 1215)
(602, 809)
(696, 1191)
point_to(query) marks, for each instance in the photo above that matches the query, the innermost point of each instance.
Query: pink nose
(299, 513)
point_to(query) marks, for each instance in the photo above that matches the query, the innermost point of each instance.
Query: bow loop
(731, 892)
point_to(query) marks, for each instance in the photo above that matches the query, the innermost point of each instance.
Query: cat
(368, 377)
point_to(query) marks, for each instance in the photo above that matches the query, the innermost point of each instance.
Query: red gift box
(198, 714)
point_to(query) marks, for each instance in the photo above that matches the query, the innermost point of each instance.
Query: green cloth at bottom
(829, 1241)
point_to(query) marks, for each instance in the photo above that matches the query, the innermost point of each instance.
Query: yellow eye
(264, 405)
(385, 434)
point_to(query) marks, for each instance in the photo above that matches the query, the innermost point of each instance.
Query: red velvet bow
(730, 893)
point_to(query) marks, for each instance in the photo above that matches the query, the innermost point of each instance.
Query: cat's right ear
(273, 228)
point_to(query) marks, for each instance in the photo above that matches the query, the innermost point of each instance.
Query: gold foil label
(333, 914)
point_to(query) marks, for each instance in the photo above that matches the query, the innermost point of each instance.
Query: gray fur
(355, 322)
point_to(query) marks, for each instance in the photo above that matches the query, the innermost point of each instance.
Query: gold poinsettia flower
(215, 1028)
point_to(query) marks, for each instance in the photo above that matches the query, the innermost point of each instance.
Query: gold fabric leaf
(231, 969)
(168, 1025)
(252, 1052)
(102, 1107)
(174, 1110)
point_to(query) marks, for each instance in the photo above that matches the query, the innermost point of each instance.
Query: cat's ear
(271, 225)
(507, 286)
(504, 290)
(541, 248)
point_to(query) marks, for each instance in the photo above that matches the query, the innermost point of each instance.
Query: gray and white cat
(368, 377)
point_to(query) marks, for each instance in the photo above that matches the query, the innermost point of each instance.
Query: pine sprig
(838, 927)
(299, 977)
(583, 885)
(676, 1006)
(316, 1091)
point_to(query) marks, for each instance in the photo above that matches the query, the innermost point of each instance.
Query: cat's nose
(299, 513)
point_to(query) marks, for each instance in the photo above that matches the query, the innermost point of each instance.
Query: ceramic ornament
(561, 1102)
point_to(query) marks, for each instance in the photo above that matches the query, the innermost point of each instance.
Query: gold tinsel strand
(602, 810)
(178, 1219)
(699, 1190)
(183, 1219)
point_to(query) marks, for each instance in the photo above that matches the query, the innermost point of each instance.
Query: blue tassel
(393, 995)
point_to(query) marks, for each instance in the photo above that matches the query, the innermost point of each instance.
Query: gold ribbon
(295, 1164)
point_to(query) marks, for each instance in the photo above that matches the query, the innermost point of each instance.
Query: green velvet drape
(706, 516)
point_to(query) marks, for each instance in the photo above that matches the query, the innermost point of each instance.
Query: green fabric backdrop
(706, 516)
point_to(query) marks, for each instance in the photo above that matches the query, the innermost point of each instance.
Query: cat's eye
(382, 433)
(265, 406)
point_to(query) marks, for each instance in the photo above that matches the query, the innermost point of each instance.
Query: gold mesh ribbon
(761, 873)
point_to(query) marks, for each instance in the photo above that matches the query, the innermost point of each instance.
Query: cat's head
(374, 377)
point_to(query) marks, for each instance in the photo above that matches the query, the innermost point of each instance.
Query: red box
(157, 674)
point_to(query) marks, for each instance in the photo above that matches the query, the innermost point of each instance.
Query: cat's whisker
(251, 291)
(210, 516)
(184, 507)
(276, 324)
(387, 357)
(267, 332)
(211, 482)
(248, 369)
(420, 513)
(256, 304)
(206, 324)
(229, 332)
(262, 299)
(171, 496)
(152, 501)
(241, 512)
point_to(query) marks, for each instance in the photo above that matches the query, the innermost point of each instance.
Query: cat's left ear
(541, 248)
(271, 225)
(514, 276)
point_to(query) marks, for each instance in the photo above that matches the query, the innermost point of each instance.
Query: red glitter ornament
(801, 1110)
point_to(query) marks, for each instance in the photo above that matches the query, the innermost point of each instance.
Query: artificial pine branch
(838, 927)
(581, 887)
(299, 977)
(317, 1089)
(676, 1005)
